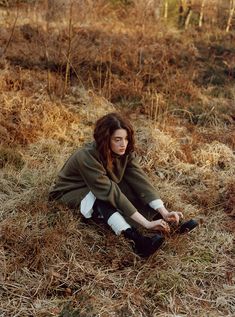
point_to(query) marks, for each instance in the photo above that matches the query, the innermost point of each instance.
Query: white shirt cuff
(157, 203)
(87, 204)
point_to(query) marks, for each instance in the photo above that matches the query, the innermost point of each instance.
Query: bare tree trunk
(166, 9)
(201, 13)
(188, 14)
(188, 19)
(231, 12)
(181, 13)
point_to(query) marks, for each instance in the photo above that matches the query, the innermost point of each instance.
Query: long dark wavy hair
(104, 128)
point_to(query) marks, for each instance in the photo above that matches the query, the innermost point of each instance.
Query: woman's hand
(173, 216)
(159, 225)
(170, 216)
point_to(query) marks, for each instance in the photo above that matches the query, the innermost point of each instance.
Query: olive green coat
(84, 171)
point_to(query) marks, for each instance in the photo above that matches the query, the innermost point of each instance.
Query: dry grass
(158, 69)
(53, 263)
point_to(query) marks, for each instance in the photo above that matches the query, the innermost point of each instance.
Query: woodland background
(170, 67)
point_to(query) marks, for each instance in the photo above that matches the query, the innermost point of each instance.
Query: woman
(104, 180)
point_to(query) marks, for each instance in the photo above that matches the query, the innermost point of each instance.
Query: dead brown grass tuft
(229, 199)
(12, 157)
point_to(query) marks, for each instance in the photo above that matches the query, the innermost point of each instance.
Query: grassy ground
(56, 79)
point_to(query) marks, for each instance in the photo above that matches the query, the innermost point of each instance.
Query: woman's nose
(123, 143)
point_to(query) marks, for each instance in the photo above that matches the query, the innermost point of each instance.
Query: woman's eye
(119, 140)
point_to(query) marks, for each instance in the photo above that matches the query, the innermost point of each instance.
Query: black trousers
(103, 209)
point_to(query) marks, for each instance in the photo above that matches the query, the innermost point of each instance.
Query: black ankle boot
(187, 226)
(144, 246)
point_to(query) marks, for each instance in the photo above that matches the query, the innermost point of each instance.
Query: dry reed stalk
(68, 55)
(231, 13)
(11, 35)
(201, 13)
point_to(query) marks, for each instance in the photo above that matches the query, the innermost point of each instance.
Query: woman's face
(119, 141)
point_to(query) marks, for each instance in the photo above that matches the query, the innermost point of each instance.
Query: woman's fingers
(159, 225)
(175, 216)
(181, 215)
(164, 225)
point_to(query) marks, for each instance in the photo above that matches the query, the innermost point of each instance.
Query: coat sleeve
(139, 181)
(96, 178)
